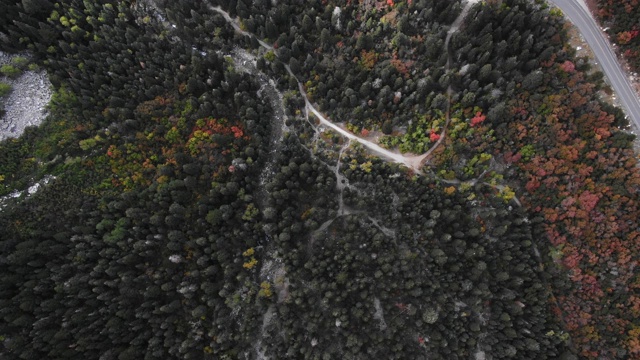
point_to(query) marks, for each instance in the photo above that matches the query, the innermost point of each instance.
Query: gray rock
(25, 105)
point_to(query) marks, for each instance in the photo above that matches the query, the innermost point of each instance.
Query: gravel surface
(25, 105)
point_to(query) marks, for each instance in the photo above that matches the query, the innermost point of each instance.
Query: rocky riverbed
(25, 105)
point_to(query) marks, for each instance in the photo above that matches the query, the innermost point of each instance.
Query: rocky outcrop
(26, 104)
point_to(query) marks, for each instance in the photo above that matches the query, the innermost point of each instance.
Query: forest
(622, 19)
(201, 207)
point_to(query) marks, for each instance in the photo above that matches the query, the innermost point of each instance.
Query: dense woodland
(622, 18)
(198, 211)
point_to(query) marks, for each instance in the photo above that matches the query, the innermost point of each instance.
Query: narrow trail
(414, 162)
(246, 62)
(235, 25)
(387, 154)
(341, 181)
(411, 162)
(418, 161)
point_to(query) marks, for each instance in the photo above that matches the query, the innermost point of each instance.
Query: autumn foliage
(582, 179)
(140, 162)
(621, 17)
(479, 118)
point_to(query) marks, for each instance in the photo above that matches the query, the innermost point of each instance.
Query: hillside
(326, 180)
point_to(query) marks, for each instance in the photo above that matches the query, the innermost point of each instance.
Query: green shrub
(10, 71)
(4, 89)
(20, 62)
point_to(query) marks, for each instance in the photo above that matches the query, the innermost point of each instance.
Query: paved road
(579, 15)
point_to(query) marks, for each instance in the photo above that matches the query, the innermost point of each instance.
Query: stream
(32, 189)
(246, 62)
